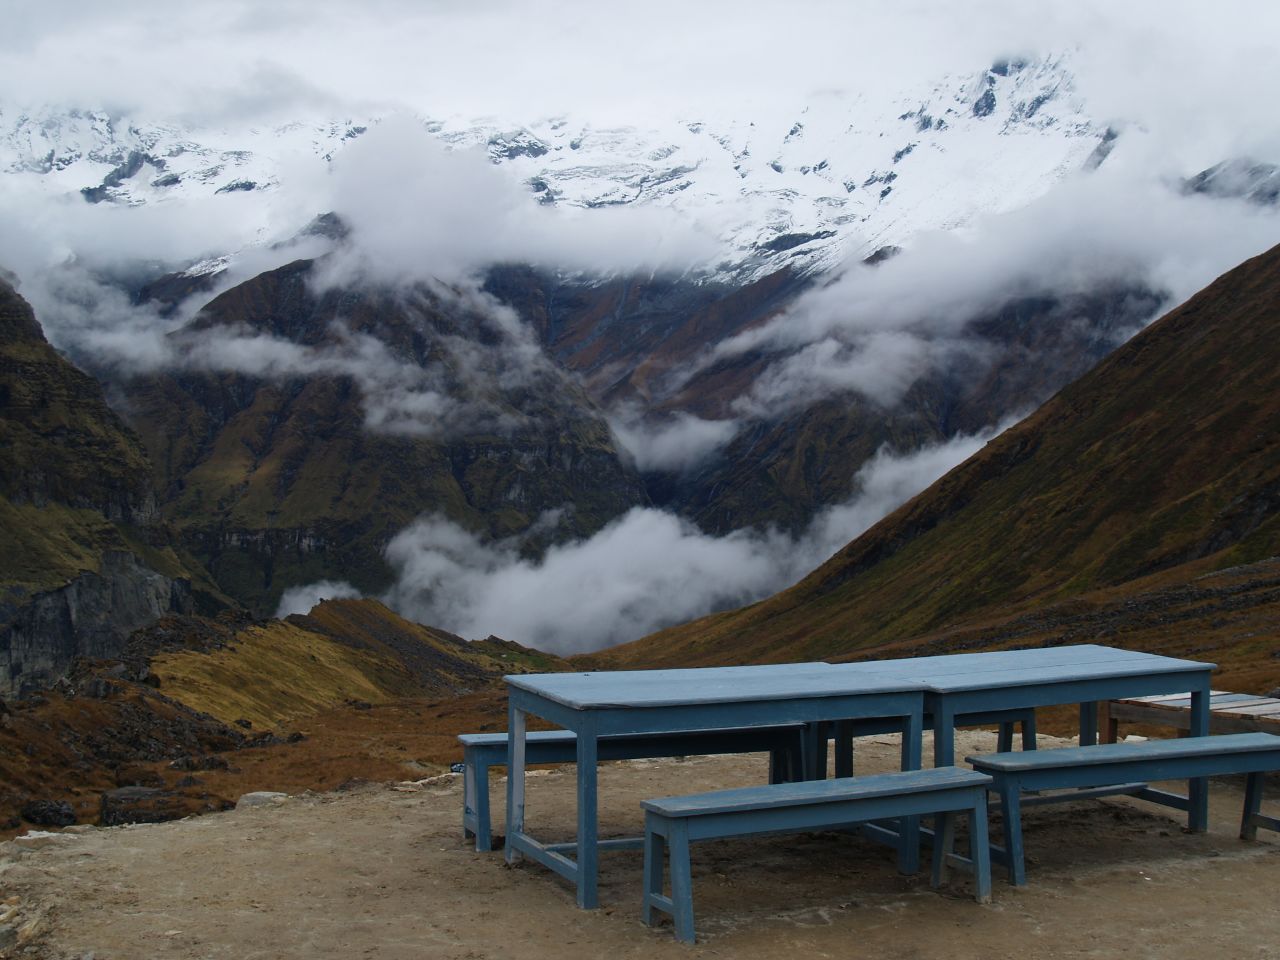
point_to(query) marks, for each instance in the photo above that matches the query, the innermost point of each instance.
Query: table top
(957, 673)
(708, 685)
(954, 673)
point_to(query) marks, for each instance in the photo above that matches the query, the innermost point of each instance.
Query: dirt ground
(381, 871)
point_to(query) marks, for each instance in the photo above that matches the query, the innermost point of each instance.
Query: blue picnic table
(608, 703)
(613, 703)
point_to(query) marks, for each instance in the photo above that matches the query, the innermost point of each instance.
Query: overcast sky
(1200, 73)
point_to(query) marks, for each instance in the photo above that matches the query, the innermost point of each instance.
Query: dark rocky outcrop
(85, 560)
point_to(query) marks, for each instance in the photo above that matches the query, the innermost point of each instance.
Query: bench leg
(654, 850)
(1252, 807)
(1011, 808)
(681, 881)
(944, 842)
(980, 849)
(478, 775)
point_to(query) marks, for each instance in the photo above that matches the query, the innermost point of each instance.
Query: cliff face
(84, 562)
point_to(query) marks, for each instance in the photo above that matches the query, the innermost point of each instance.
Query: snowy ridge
(845, 174)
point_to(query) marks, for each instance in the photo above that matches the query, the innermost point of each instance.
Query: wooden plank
(1252, 709)
(648, 689)
(1109, 753)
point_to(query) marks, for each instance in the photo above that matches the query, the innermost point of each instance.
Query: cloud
(672, 444)
(419, 208)
(302, 599)
(646, 570)
(1196, 69)
(875, 331)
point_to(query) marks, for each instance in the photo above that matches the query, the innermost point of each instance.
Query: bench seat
(1127, 766)
(1228, 713)
(480, 751)
(672, 823)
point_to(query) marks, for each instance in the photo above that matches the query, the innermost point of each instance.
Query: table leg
(588, 825)
(843, 739)
(515, 779)
(944, 735)
(912, 748)
(1089, 723)
(1198, 789)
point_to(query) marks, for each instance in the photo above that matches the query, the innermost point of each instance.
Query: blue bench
(1125, 768)
(480, 751)
(672, 823)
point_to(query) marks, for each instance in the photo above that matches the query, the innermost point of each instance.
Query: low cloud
(670, 444)
(418, 208)
(875, 331)
(644, 571)
(302, 599)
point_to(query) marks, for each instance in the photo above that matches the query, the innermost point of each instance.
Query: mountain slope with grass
(1159, 466)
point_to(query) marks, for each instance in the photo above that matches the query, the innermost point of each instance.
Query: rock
(261, 798)
(211, 762)
(360, 704)
(49, 813)
(296, 737)
(140, 805)
(242, 722)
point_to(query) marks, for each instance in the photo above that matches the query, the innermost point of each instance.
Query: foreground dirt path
(381, 871)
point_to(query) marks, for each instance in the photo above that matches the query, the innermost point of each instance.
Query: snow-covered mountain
(842, 174)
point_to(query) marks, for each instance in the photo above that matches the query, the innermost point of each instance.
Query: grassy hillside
(1164, 461)
(277, 672)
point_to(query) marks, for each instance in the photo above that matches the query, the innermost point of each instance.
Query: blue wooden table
(612, 703)
(1081, 674)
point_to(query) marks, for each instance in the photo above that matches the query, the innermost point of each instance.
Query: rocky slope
(1164, 460)
(307, 427)
(86, 560)
(196, 711)
(639, 344)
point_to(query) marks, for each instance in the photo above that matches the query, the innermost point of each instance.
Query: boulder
(141, 805)
(48, 813)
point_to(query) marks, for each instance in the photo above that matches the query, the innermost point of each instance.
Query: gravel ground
(381, 871)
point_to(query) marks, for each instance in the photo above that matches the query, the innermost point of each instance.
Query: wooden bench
(480, 751)
(1228, 713)
(672, 823)
(1125, 767)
